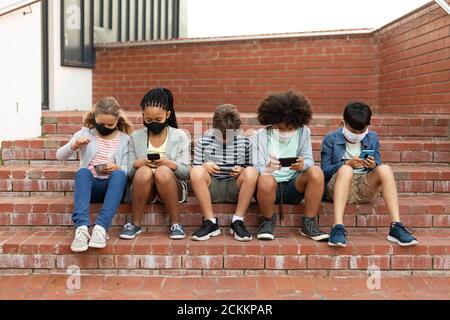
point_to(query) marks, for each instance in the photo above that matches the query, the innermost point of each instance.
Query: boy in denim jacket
(351, 179)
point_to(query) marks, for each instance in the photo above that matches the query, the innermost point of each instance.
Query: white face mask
(354, 137)
(286, 136)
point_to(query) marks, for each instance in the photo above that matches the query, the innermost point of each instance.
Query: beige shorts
(224, 191)
(360, 191)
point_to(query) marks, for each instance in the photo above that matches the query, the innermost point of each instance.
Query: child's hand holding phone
(110, 168)
(370, 163)
(369, 158)
(211, 167)
(355, 163)
(272, 166)
(236, 171)
(298, 165)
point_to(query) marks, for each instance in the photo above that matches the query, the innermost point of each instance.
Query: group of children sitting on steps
(274, 165)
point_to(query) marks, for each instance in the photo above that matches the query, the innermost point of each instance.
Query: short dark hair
(285, 107)
(226, 117)
(357, 115)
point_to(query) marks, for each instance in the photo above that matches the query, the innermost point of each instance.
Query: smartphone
(287, 162)
(226, 170)
(153, 156)
(366, 154)
(99, 168)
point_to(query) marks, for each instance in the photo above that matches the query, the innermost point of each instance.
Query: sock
(235, 218)
(83, 227)
(214, 220)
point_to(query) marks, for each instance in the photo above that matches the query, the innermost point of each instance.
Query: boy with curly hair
(285, 116)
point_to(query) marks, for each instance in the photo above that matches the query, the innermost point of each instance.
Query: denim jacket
(333, 149)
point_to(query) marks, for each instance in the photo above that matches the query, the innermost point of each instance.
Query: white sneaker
(80, 243)
(99, 238)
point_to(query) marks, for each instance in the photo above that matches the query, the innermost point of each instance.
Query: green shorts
(224, 191)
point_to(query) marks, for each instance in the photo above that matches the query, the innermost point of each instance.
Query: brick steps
(42, 151)
(41, 212)
(289, 252)
(35, 180)
(403, 127)
(36, 205)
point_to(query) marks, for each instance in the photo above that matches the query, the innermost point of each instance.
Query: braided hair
(162, 98)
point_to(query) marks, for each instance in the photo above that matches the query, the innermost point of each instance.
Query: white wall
(70, 88)
(20, 74)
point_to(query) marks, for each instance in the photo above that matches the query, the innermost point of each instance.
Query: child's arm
(329, 168)
(66, 151)
(124, 163)
(199, 157)
(131, 157)
(257, 155)
(376, 148)
(306, 150)
(183, 158)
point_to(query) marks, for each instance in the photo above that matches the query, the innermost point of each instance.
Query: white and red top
(106, 149)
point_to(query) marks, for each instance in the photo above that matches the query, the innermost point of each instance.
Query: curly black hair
(285, 107)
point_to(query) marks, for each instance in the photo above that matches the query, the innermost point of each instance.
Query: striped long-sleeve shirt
(209, 149)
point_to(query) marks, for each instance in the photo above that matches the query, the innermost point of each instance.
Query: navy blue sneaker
(401, 235)
(177, 232)
(338, 236)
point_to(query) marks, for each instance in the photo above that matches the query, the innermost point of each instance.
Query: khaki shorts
(224, 191)
(360, 191)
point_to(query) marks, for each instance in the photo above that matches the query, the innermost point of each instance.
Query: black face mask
(104, 131)
(155, 127)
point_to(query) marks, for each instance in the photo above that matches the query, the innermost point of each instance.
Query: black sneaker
(401, 235)
(239, 231)
(311, 230)
(266, 230)
(206, 231)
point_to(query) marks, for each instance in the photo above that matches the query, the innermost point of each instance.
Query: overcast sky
(210, 18)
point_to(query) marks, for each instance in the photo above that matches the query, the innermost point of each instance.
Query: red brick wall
(403, 68)
(330, 71)
(415, 63)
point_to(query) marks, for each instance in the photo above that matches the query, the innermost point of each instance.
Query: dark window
(77, 33)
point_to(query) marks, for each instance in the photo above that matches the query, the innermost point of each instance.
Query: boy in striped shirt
(221, 173)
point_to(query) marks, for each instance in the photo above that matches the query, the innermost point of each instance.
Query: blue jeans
(92, 190)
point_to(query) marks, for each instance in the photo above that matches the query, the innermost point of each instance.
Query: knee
(384, 171)
(163, 175)
(345, 172)
(267, 184)
(198, 173)
(143, 175)
(315, 174)
(83, 172)
(250, 174)
(119, 174)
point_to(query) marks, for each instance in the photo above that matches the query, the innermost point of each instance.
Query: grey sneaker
(311, 230)
(80, 242)
(266, 230)
(130, 231)
(99, 237)
(177, 231)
